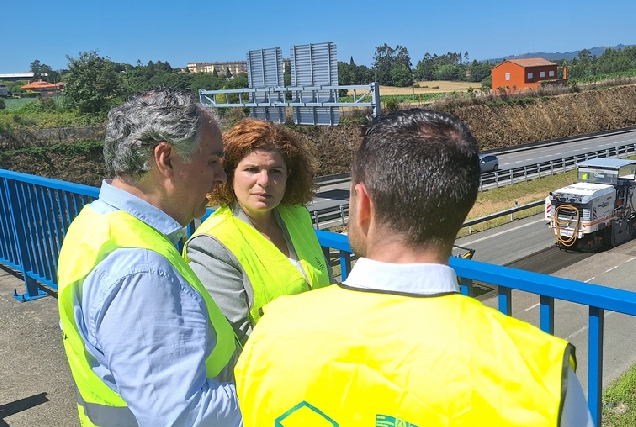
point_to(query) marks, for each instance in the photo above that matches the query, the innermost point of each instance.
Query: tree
(425, 68)
(92, 84)
(228, 73)
(382, 61)
(386, 58)
(36, 69)
(479, 71)
(51, 76)
(401, 75)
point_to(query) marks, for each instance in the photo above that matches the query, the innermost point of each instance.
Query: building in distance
(517, 75)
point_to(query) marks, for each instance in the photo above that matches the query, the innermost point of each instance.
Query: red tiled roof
(531, 62)
(42, 86)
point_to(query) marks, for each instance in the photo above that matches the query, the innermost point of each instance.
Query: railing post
(497, 179)
(33, 291)
(539, 169)
(564, 165)
(512, 177)
(342, 215)
(315, 215)
(345, 264)
(551, 167)
(375, 99)
(504, 298)
(547, 314)
(595, 364)
(525, 173)
(466, 286)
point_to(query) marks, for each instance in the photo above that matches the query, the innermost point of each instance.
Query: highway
(335, 193)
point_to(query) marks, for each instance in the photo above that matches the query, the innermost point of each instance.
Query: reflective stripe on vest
(91, 238)
(342, 357)
(269, 271)
(94, 414)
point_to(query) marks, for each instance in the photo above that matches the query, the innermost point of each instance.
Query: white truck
(598, 210)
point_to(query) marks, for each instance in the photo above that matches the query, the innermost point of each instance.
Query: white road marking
(501, 232)
(531, 307)
(575, 333)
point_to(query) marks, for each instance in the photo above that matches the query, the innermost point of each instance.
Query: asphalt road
(337, 193)
(36, 387)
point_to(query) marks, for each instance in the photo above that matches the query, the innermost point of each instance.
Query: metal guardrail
(337, 215)
(35, 213)
(551, 167)
(327, 217)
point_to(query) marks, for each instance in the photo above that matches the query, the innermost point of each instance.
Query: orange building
(516, 75)
(43, 87)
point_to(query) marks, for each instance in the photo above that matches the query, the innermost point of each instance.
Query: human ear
(163, 155)
(362, 206)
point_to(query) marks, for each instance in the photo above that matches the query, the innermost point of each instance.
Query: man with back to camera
(146, 344)
(397, 344)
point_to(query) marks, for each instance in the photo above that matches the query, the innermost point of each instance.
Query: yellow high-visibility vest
(90, 238)
(341, 357)
(270, 272)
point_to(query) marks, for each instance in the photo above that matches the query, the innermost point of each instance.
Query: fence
(551, 167)
(35, 213)
(336, 215)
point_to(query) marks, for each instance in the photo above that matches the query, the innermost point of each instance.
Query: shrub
(435, 87)
(2, 104)
(391, 105)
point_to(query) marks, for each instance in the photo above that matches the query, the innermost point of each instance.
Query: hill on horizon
(595, 51)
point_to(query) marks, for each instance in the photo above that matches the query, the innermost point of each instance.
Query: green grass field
(16, 104)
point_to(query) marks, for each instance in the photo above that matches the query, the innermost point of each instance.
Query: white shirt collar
(419, 279)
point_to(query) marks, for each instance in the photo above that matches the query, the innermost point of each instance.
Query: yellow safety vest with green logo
(91, 238)
(270, 272)
(341, 357)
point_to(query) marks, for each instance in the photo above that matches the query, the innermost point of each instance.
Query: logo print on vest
(304, 414)
(389, 421)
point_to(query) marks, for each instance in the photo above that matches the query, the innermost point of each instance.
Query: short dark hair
(253, 134)
(421, 170)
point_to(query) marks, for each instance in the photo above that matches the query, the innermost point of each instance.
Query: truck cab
(598, 209)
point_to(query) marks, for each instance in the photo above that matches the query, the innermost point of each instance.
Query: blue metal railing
(35, 213)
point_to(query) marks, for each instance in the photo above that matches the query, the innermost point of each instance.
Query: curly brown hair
(252, 134)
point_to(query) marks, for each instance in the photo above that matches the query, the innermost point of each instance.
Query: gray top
(224, 278)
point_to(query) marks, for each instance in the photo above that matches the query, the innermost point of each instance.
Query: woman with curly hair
(260, 243)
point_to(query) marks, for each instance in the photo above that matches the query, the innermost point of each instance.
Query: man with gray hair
(146, 344)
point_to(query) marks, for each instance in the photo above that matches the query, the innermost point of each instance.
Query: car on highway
(488, 163)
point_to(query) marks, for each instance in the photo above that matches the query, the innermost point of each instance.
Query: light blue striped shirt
(148, 330)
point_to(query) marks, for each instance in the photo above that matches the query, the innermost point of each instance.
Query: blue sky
(182, 31)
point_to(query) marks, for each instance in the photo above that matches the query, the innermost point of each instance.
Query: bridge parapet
(35, 213)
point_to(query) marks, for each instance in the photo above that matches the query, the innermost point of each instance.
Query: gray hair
(136, 127)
